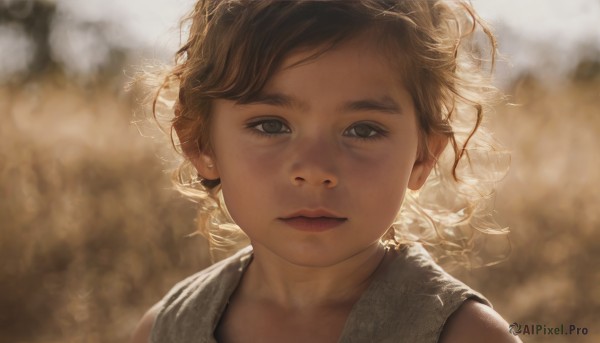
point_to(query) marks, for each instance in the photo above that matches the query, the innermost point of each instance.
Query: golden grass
(91, 233)
(550, 201)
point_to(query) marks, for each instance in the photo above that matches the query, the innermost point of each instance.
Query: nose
(316, 180)
(315, 164)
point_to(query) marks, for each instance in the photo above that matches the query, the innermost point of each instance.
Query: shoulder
(214, 279)
(412, 300)
(189, 309)
(144, 327)
(476, 322)
(450, 310)
(414, 272)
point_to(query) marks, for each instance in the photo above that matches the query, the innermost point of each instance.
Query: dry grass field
(91, 233)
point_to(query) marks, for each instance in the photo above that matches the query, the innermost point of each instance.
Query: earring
(210, 166)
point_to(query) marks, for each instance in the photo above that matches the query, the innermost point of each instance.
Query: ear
(422, 167)
(204, 162)
(205, 165)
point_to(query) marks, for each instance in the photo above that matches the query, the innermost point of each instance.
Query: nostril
(297, 181)
(322, 180)
(329, 183)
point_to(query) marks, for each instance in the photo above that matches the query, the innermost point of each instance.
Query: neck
(277, 281)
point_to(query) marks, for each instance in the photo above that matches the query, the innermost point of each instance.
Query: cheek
(250, 163)
(247, 175)
(381, 179)
(388, 165)
(385, 187)
(382, 200)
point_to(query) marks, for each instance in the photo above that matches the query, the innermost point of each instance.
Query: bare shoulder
(144, 327)
(475, 322)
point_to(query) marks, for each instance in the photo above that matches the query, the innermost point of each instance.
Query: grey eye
(363, 131)
(271, 126)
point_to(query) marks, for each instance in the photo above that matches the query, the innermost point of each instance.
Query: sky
(533, 34)
(548, 37)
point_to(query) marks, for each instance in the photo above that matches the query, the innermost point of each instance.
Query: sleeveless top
(409, 301)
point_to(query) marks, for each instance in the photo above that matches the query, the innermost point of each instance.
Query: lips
(314, 220)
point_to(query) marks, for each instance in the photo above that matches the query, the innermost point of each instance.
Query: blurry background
(91, 233)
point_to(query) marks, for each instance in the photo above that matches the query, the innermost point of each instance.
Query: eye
(365, 131)
(269, 127)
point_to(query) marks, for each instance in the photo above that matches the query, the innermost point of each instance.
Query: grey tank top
(409, 302)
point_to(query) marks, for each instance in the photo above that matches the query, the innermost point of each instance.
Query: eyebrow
(275, 99)
(385, 104)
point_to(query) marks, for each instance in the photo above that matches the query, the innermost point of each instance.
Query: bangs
(247, 45)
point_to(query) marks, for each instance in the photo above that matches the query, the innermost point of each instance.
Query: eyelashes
(366, 131)
(269, 127)
(275, 127)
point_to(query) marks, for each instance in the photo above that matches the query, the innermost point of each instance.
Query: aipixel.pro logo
(542, 329)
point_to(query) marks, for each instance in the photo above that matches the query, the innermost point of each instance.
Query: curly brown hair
(440, 49)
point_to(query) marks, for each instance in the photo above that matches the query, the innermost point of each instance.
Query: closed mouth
(319, 213)
(316, 218)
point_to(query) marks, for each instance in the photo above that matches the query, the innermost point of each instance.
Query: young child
(306, 122)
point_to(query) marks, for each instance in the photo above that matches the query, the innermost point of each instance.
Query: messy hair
(443, 52)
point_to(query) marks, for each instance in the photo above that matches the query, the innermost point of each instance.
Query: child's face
(303, 147)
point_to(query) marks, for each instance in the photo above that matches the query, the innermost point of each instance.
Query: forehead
(356, 68)
(360, 48)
